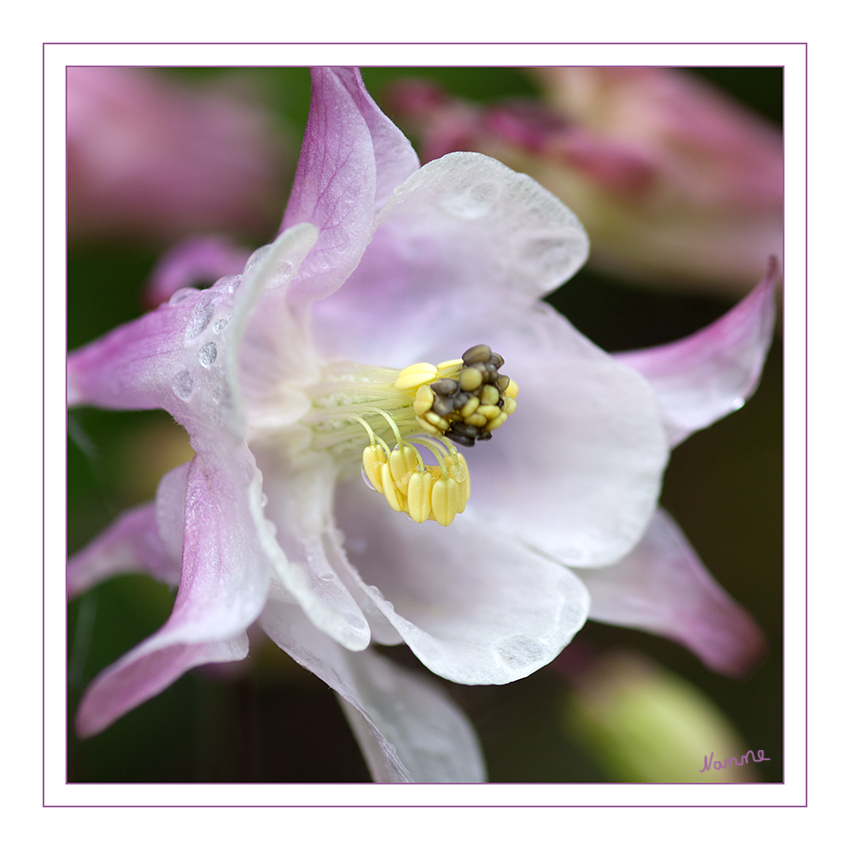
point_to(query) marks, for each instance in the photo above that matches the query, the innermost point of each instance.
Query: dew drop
(182, 294)
(281, 275)
(200, 317)
(183, 385)
(207, 355)
(476, 201)
(221, 324)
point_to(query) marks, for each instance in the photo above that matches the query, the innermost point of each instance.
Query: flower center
(422, 406)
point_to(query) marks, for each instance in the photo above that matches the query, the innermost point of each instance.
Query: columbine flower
(674, 181)
(150, 158)
(369, 470)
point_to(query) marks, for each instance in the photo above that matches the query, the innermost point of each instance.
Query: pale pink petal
(706, 376)
(475, 605)
(463, 241)
(395, 159)
(351, 158)
(663, 587)
(408, 730)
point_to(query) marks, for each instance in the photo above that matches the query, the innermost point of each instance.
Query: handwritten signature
(744, 759)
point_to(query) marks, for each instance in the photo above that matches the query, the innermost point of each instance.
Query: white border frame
(792, 792)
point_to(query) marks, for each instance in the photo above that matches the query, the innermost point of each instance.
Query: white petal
(474, 605)
(576, 470)
(408, 730)
(464, 238)
(299, 507)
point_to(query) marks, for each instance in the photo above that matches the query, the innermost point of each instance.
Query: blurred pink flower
(153, 159)
(674, 181)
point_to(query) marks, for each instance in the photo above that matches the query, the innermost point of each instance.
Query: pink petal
(706, 376)
(223, 587)
(663, 587)
(351, 159)
(183, 356)
(145, 672)
(408, 730)
(148, 538)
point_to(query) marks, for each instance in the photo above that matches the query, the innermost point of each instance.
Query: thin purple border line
(524, 785)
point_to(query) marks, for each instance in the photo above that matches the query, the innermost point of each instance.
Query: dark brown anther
(446, 386)
(473, 432)
(460, 439)
(476, 354)
(442, 406)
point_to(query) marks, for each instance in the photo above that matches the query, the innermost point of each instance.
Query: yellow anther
(470, 379)
(493, 424)
(464, 483)
(374, 459)
(437, 421)
(403, 463)
(415, 375)
(489, 411)
(444, 501)
(424, 399)
(390, 491)
(509, 406)
(489, 394)
(427, 427)
(419, 496)
(512, 390)
(449, 365)
(469, 408)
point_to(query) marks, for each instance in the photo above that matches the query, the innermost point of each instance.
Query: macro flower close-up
(396, 441)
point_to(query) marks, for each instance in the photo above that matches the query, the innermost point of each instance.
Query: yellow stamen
(462, 401)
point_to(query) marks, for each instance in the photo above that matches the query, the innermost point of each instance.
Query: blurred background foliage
(267, 720)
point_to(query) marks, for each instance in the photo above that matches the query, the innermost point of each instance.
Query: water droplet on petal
(183, 385)
(474, 202)
(200, 317)
(182, 294)
(282, 274)
(207, 355)
(221, 324)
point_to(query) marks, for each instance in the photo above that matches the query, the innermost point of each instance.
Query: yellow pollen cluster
(464, 400)
(437, 492)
